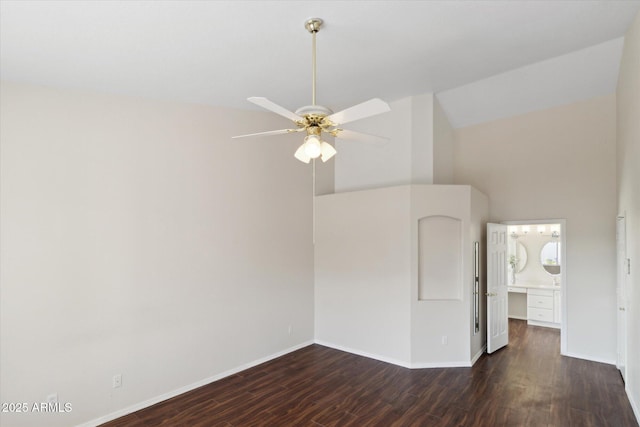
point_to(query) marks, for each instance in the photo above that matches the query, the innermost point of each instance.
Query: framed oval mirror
(550, 257)
(521, 257)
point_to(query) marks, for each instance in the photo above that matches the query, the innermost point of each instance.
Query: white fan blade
(361, 137)
(271, 106)
(271, 132)
(366, 109)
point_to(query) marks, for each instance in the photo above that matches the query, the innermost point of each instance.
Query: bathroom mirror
(517, 255)
(550, 257)
(521, 256)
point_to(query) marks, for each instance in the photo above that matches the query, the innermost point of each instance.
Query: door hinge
(628, 266)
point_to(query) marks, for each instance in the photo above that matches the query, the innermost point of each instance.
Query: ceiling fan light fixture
(301, 155)
(327, 151)
(313, 146)
(316, 119)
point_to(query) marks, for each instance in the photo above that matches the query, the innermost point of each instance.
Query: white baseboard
(404, 364)
(365, 354)
(518, 317)
(149, 402)
(440, 365)
(475, 358)
(634, 405)
(590, 358)
(543, 324)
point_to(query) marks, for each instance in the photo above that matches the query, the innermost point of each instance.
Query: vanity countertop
(534, 286)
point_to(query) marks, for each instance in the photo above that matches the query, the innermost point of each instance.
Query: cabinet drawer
(540, 314)
(539, 301)
(517, 290)
(542, 292)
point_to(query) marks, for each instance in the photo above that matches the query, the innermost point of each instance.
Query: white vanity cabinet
(542, 309)
(539, 305)
(557, 300)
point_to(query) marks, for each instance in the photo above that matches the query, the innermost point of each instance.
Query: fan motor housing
(317, 110)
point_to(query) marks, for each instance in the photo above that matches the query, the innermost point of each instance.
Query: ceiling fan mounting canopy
(316, 119)
(313, 24)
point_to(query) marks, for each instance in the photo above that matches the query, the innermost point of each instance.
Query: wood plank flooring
(526, 384)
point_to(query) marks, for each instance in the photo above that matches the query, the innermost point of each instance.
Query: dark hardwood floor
(526, 384)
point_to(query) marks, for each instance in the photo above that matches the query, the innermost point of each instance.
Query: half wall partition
(394, 273)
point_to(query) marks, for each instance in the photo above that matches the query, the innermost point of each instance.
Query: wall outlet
(445, 340)
(117, 381)
(52, 398)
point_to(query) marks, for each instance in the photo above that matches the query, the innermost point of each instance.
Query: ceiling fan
(316, 119)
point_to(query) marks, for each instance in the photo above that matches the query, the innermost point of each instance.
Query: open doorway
(538, 288)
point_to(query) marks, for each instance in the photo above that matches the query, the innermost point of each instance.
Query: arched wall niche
(439, 258)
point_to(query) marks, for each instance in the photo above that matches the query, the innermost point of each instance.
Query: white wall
(360, 166)
(419, 151)
(137, 238)
(628, 162)
(366, 288)
(421, 161)
(443, 143)
(362, 282)
(433, 320)
(558, 163)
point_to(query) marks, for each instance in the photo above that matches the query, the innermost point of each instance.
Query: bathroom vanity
(540, 304)
(535, 292)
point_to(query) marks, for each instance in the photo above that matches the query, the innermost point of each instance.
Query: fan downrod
(313, 25)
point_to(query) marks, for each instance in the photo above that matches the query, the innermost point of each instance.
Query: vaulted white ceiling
(221, 52)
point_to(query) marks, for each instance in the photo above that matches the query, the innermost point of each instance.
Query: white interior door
(621, 239)
(497, 288)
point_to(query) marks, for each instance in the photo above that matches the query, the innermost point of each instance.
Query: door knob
(489, 294)
(621, 308)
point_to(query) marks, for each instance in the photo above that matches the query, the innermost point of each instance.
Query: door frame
(566, 286)
(622, 295)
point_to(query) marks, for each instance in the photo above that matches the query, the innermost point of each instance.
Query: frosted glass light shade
(301, 155)
(327, 151)
(312, 146)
